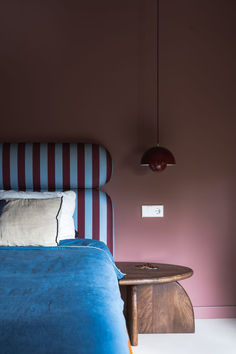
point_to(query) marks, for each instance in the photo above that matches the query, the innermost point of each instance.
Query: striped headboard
(53, 166)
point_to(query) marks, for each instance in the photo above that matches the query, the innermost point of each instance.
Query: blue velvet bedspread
(60, 300)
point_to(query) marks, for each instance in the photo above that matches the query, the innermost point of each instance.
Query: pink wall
(84, 71)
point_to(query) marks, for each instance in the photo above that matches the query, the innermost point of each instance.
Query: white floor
(212, 336)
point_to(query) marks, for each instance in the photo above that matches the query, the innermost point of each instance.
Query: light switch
(152, 211)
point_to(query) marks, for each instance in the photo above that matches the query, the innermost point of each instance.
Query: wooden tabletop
(152, 273)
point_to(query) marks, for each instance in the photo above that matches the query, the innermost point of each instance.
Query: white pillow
(30, 222)
(66, 227)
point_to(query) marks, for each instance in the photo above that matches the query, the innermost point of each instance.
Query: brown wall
(84, 71)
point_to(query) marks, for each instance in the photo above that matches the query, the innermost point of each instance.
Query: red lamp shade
(157, 158)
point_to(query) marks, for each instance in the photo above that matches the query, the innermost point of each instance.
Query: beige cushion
(30, 222)
(66, 227)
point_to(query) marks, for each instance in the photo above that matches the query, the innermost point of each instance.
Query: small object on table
(146, 266)
(154, 300)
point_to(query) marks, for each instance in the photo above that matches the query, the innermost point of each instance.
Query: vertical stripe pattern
(53, 166)
(36, 167)
(66, 165)
(102, 166)
(13, 165)
(88, 165)
(58, 167)
(43, 166)
(21, 166)
(81, 213)
(95, 215)
(1, 169)
(81, 167)
(103, 217)
(28, 166)
(6, 166)
(88, 210)
(95, 166)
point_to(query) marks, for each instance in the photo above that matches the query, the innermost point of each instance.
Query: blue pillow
(92, 243)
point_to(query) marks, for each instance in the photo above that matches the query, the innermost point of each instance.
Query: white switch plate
(152, 211)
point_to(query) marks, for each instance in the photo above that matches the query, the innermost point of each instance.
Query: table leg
(133, 314)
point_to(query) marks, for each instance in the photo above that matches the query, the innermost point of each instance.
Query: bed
(59, 294)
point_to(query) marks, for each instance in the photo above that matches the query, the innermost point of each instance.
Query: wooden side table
(154, 300)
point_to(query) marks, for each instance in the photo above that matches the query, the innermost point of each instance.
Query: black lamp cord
(157, 72)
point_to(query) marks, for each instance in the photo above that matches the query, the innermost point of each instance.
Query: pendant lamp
(157, 157)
